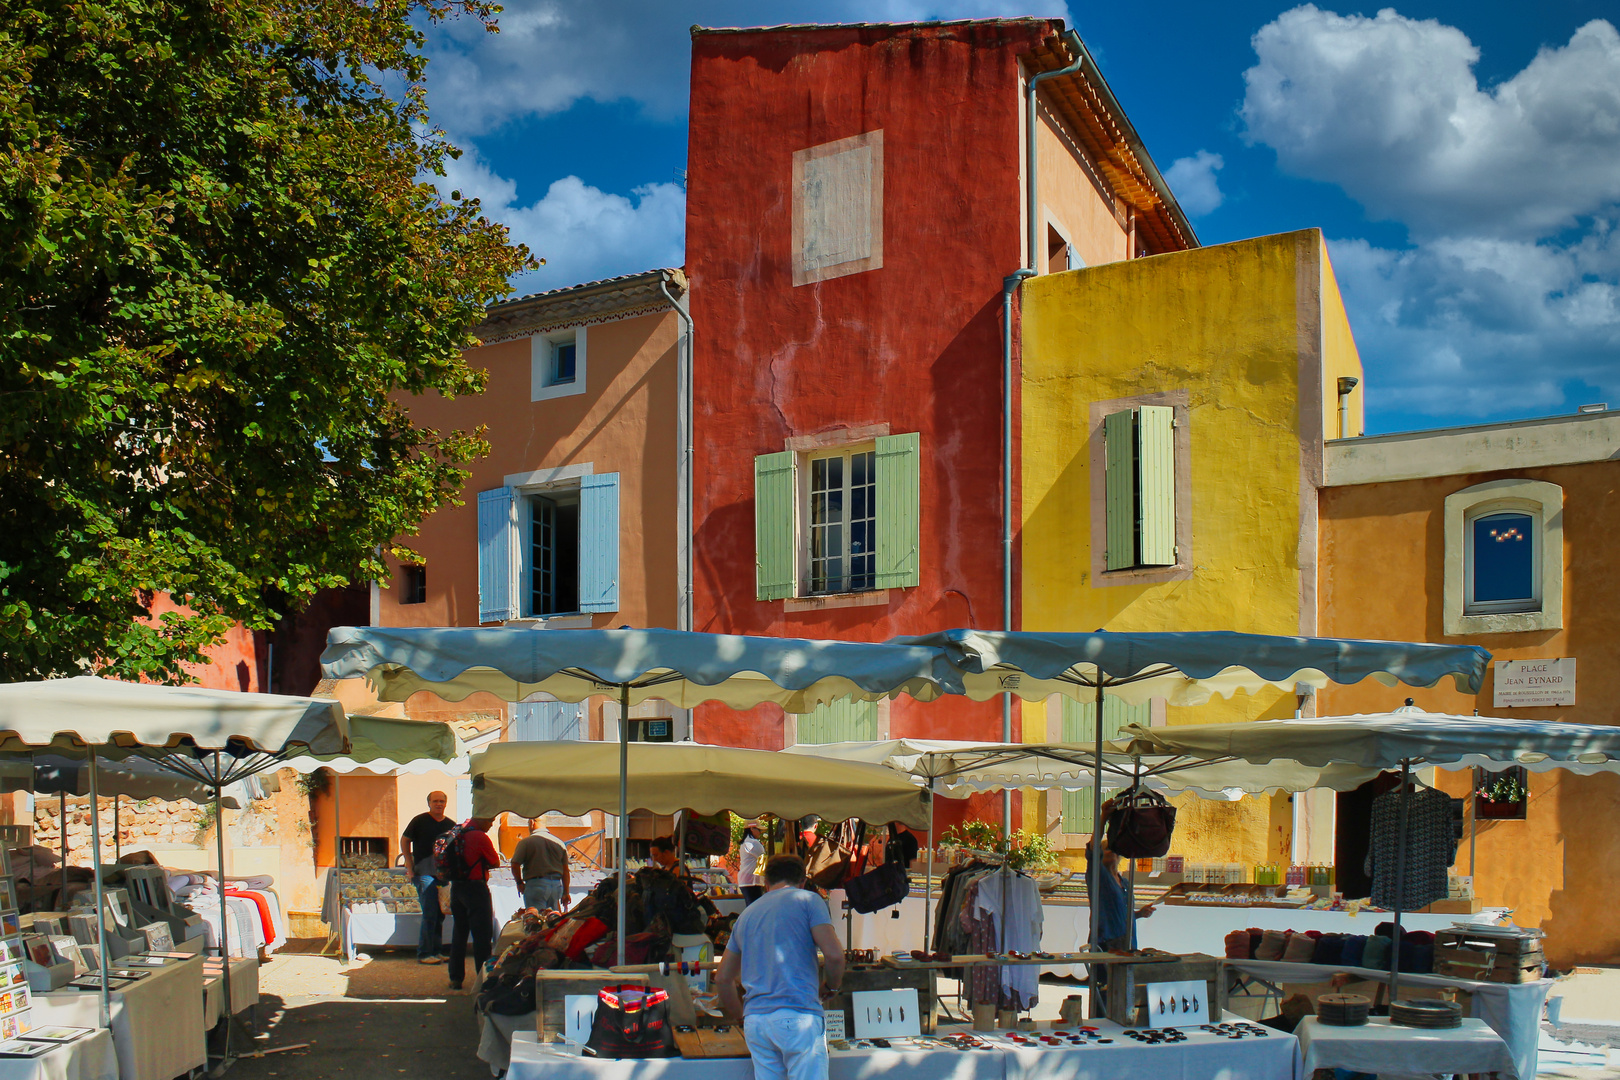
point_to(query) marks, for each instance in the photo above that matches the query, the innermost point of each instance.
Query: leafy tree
(222, 265)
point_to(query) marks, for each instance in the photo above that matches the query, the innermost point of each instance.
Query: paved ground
(378, 1017)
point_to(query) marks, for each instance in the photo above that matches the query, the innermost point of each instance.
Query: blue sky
(1463, 160)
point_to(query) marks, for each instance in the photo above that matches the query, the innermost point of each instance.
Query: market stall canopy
(59, 773)
(1187, 668)
(1386, 740)
(534, 778)
(390, 744)
(960, 769)
(682, 668)
(110, 715)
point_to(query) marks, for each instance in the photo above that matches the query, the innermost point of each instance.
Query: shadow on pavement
(347, 1038)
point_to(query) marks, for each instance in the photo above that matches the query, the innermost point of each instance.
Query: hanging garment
(1431, 846)
(1015, 904)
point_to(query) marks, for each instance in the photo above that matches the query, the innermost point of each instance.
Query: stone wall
(140, 824)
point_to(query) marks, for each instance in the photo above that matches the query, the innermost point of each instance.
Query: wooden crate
(1127, 994)
(1513, 959)
(887, 978)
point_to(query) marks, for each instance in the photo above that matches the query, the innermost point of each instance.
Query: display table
(1513, 1010)
(1382, 1047)
(157, 1024)
(377, 928)
(244, 991)
(90, 1058)
(1274, 1057)
(1180, 929)
(495, 1033)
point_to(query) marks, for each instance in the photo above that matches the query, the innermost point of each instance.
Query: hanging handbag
(1141, 824)
(631, 1021)
(878, 889)
(709, 835)
(827, 864)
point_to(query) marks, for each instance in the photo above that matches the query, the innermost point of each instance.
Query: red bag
(573, 936)
(631, 1021)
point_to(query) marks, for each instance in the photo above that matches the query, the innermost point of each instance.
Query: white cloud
(1389, 108)
(1510, 291)
(582, 232)
(1194, 183)
(549, 55)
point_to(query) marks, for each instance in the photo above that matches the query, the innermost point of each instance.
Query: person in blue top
(1116, 927)
(771, 957)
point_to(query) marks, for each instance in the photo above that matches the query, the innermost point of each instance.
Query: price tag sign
(835, 1024)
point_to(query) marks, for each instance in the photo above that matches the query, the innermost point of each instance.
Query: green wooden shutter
(897, 511)
(1078, 726)
(774, 548)
(843, 720)
(1156, 485)
(1119, 438)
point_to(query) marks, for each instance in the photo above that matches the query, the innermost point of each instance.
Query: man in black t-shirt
(417, 845)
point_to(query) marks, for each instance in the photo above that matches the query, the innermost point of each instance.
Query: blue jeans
(787, 1045)
(544, 893)
(427, 892)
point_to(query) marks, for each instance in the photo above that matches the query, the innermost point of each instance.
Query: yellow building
(1174, 410)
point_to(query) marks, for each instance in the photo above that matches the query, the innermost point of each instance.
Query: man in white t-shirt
(750, 863)
(772, 955)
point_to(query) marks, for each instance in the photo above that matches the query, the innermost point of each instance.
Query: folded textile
(1273, 943)
(1329, 949)
(1237, 945)
(1375, 953)
(1300, 949)
(1354, 945)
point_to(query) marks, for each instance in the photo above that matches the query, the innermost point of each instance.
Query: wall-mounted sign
(1532, 684)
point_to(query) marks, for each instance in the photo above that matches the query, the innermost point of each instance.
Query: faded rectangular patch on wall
(838, 208)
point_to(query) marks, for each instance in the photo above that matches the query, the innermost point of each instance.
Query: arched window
(1504, 559)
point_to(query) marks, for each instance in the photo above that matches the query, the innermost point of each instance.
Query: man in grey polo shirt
(772, 954)
(540, 868)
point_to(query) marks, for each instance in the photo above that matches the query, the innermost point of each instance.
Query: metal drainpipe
(683, 472)
(1008, 285)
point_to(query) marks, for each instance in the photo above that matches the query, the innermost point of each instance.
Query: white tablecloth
(1275, 1057)
(495, 1031)
(89, 1058)
(1513, 1010)
(405, 929)
(1384, 1048)
(244, 991)
(1272, 1057)
(157, 1024)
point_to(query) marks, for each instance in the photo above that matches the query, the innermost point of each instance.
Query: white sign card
(1533, 684)
(578, 1012)
(1177, 1004)
(835, 1024)
(884, 1014)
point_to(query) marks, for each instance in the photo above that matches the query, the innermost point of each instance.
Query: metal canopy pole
(61, 820)
(1400, 882)
(118, 851)
(624, 808)
(928, 882)
(101, 910)
(224, 908)
(337, 861)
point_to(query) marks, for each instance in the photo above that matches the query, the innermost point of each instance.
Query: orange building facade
(1497, 536)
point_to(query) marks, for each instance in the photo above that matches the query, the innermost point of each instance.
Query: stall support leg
(341, 929)
(224, 915)
(624, 807)
(1094, 993)
(1400, 882)
(118, 851)
(928, 882)
(61, 821)
(101, 917)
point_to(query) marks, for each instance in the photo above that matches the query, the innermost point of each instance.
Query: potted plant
(1500, 796)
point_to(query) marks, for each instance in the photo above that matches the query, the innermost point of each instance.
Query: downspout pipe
(1032, 206)
(683, 461)
(1009, 285)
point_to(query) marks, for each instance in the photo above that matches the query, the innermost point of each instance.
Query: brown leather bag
(827, 864)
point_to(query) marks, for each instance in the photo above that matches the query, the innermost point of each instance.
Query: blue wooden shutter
(1156, 485)
(844, 720)
(897, 511)
(599, 542)
(775, 550)
(1119, 438)
(545, 721)
(1079, 727)
(497, 554)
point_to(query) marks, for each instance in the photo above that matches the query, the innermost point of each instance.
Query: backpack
(450, 855)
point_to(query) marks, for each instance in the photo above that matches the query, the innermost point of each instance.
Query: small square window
(562, 363)
(413, 584)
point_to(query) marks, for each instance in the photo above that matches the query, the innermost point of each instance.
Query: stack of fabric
(255, 910)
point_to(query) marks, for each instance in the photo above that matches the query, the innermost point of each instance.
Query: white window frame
(542, 360)
(805, 571)
(1544, 503)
